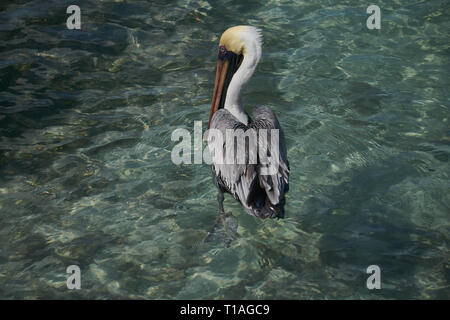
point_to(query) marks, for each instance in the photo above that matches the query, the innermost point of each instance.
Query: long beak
(221, 73)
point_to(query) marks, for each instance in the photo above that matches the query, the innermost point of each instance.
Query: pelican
(260, 195)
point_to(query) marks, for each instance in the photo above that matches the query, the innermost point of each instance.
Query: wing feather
(275, 185)
(246, 181)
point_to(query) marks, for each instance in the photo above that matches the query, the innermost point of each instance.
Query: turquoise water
(86, 179)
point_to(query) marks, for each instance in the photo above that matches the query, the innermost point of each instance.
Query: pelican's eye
(222, 52)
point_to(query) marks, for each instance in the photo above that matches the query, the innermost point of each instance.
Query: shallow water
(86, 177)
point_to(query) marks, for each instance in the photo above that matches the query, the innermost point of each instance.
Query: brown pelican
(261, 195)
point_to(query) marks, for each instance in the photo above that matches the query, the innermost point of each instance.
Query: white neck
(233, 102)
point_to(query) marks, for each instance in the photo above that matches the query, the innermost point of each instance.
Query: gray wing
(277, 184)
(247, 181)
(237, 179)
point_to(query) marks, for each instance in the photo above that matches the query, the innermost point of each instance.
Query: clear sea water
(86, 176)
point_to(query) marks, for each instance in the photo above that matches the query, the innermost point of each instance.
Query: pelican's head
(236, 43)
